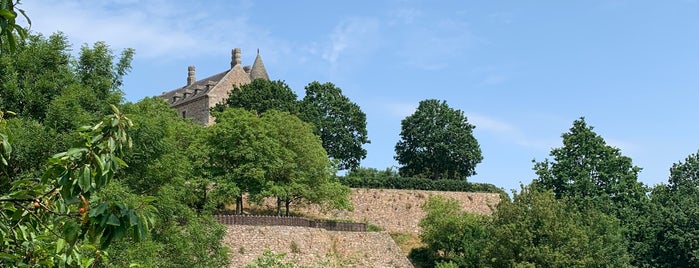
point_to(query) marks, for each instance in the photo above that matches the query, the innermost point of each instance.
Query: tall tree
(593, 174)
(304, 171)
(437, 142)
(587, 169)
(338, 121)
(240, 152)
(671, 227)
(261, 95)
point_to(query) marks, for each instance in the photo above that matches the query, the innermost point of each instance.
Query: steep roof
(258, 68)
(194, 91)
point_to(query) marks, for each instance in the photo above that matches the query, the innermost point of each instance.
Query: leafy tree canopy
(587, 169)
(262, 95)
(437, 142)
(538, 230)
(338, 121)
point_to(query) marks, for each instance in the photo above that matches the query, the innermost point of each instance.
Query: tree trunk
(279, 207)
(288, 201)
(239, 205)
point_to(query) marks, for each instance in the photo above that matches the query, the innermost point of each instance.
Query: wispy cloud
(154, 28)
(432, 43)
(508, 132)
(351, 37)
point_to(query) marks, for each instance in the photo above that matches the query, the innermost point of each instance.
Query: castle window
(184, 114)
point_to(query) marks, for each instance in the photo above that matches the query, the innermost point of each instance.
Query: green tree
(437, 142)
(261, 95)
(163, 164)
(338, 121)
(304, 171)
(454, 235)
(8, 25)
(538, 230)
(672, 225)
(586, 167)
(241, 151)
(34, 75)
(591, 173)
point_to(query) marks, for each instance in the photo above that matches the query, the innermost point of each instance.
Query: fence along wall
(290, 221)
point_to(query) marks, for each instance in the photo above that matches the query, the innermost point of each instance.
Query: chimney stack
(235, 57)
(190, 76)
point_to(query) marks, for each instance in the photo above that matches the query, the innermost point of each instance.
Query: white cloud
(509, 132)
(351, 37)
(156, 29)
(491, 124)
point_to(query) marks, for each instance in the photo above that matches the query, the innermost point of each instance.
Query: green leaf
(98, 210)
(60, 244)
(84, 180)
(113, 220)
(120, 162)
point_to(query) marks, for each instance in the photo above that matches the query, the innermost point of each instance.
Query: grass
(406, 241)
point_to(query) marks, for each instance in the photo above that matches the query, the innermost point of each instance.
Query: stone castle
(197, 97)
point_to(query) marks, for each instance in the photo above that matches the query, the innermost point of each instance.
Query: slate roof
(202, 87)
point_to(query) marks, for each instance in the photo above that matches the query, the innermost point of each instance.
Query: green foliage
(165, 159)
(260, 96)
(437, 143)
(338, 121)
(34, 75)
(538, 229)
(389, 179)
(304, 173)
(671, 226)
(63, 218)
(8, 25)
(591, 173)
(275, 155)
(587, 167)
(29, 150)
(271, 260)
(452, 234)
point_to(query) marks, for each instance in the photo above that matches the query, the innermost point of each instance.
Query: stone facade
(196, 98)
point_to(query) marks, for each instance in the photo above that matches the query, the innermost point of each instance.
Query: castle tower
(258, 68)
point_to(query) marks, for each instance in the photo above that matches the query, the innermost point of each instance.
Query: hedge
(396, 182)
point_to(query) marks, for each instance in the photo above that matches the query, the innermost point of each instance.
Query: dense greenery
(437, 143)
(87, 180)
(87, 206)
(272, 155)
(585, 209)
(340, 123)
(390, 179)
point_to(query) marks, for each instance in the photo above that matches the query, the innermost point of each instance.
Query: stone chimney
(190, 76)
(235, 57)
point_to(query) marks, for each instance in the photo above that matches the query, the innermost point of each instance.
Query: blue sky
(521, 71)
